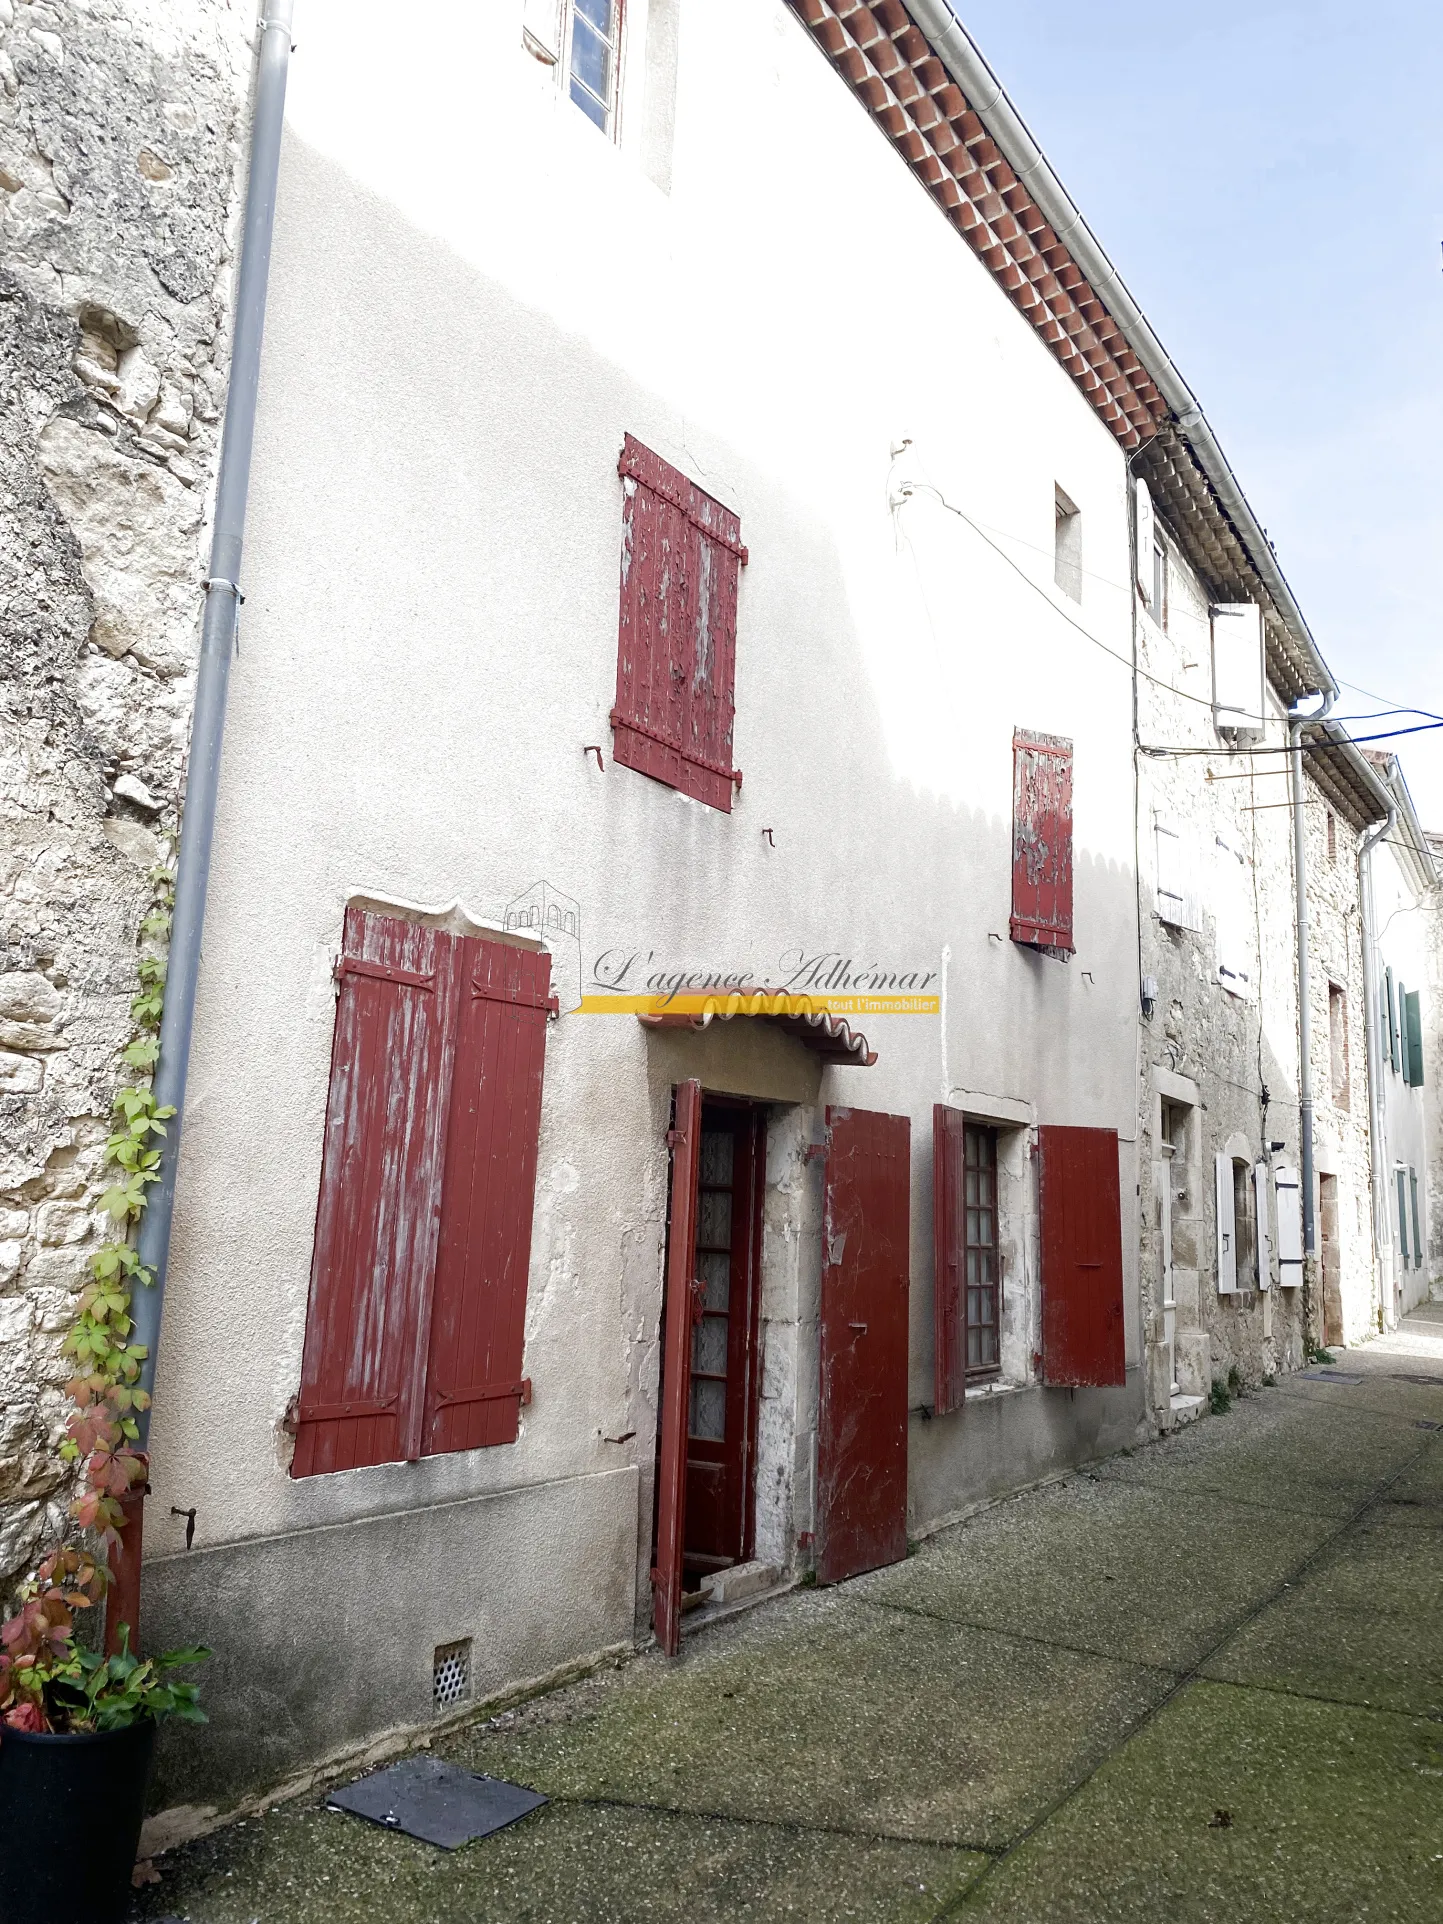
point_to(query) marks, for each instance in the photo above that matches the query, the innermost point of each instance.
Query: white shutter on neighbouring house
(541, 28)
(1227, 1228)
(1146, 534)
(1265, 1231)
(1178, 896)
(1238, 668)
(1290, 1226)
(1232, 906)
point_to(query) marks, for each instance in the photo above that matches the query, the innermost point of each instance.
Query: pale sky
(1267, 176)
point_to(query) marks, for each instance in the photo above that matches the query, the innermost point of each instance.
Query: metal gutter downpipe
(218, 629)
(1373, 1014)
(965, 62)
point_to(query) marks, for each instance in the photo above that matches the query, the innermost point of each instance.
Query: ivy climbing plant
(105, 1392)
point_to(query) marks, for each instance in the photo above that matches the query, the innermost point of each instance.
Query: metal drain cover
(1333, 1376)
(436, 1802)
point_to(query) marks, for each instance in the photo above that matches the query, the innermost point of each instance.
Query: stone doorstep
(734, 1590)
(741, 1580)
(1187, 1409)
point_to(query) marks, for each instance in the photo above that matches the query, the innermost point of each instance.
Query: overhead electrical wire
(911, 488)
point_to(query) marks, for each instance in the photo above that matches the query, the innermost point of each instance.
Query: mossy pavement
(1201, 1681)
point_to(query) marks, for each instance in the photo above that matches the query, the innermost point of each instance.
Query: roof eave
(966, 63)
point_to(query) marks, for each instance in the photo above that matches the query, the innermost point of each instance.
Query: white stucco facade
(1404, 911)
(454, 353)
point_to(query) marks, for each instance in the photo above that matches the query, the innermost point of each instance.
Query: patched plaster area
(119, 176)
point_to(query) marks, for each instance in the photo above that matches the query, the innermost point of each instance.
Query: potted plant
(77, 1733)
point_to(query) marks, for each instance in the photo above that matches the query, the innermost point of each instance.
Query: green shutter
(1403, 1216)
(1400, 1053)
(1390, 1039)
(1414, 1038)
(1417, 1227)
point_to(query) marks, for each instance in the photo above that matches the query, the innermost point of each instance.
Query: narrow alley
(1200, 1680)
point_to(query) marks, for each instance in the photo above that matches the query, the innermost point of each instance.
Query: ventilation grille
(451, 1674)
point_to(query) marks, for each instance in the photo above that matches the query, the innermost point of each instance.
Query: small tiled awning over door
(829, 1036)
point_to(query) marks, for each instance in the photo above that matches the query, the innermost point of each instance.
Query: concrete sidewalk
(1202, 1681)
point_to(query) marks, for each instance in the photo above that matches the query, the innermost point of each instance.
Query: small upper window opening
(593, 33)
(1067, 553)
(1332, 836)
(1159, 584)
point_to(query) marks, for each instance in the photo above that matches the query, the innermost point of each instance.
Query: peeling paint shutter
(681, 553)
(1227, 1227)
(1146, 536)
(1290, 1226)
(1265, 1232)
(423, 1228)
(1390, 1039)
(1238, 668)
(861, 1518)
(1042, 842)
(682, 1309)
(1083, 1338)
(474, 1388)
(949, 1319)
(1413, 1036)
(376, 1219)
(1417, 1225)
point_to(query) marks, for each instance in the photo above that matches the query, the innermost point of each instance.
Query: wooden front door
(721, 1430)
(862, 1434)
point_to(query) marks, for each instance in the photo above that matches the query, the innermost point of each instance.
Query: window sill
(979, 1392)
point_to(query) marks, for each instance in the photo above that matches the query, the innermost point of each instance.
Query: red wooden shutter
(371, 1271)
(861, 1519)
(1083, 1341)
(1042, 841)
(474, 1388)
(949, 1317)
(676, 657)
(682, 1308)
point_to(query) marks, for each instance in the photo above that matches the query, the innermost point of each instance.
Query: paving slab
(1420, 1487)
(1394, 1391)
(568, 1864)
(870, 1721)
(1126, 1570)
(1364, 1624)
(1002, 1727)
(1318, 1456)
(1240, 1806)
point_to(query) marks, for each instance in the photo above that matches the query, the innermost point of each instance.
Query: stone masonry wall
(1236, 1056)
(120, 168)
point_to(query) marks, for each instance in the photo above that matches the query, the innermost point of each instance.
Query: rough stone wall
(120, 166)
(1239, 1053)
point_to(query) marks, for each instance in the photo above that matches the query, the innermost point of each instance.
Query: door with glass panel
(722, 1417)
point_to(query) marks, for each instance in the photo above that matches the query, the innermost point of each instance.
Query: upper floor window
(581, 40)
(593, 57)
(1067, 546)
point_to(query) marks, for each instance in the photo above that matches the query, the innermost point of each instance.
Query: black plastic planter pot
(70, 1814)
